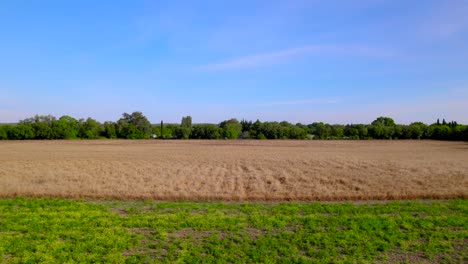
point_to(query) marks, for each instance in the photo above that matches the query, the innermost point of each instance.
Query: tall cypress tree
(162, 129)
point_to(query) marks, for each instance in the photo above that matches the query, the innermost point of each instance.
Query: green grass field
(59, 231)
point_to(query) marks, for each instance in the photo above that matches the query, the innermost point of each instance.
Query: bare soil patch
(234, 170)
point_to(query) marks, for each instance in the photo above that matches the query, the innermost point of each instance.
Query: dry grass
(234, 170)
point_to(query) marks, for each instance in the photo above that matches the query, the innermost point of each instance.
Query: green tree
(20, 131)
(3, 132)
(363, 131)
(139, 121)
(296, 132)
(337, 131)
(133, 126)
(186, 122)
(185, 128)
(384, 128)
(231, 128)
(205, 131)
(246, 125)
(464, 134)
(397, 132)
(89, 128)
(320, 130)
(245, 135)
(109, 130)
(132, 132)
(384, 121)
(415, 130)
(161, 135)
(379, 131)
(351, 132)
(254, 129)
(457, 131)
(441, 132)
(65, 128)
(42, 126)
(271, 130)
(169, 130)
(182, 132)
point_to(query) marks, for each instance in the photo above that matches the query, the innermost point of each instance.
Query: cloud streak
(283, 56)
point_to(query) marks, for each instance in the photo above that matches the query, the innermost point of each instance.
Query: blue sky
(301, 61)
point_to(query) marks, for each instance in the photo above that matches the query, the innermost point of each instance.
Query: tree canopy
(137, 126)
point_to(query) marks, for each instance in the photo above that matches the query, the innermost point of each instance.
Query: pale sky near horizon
(300, 61)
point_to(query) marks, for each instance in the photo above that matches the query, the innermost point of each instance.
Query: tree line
(137, 126)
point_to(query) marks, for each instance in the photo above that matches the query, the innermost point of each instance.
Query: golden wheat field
(234, 170)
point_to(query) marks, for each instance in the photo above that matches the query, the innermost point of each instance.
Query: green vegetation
(231, 128)
(58, 231)
(133, 126)
(137, 126)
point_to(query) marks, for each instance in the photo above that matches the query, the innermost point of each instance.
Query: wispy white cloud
(282, 56)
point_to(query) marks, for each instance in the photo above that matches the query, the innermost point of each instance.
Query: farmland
(234, 170)
(159, 201)
(89, 231)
